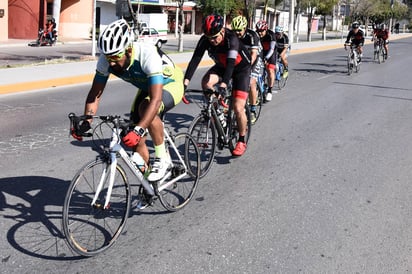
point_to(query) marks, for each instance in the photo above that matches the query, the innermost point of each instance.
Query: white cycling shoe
(159, 168)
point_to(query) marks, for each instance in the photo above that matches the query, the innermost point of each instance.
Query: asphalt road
(323, 188)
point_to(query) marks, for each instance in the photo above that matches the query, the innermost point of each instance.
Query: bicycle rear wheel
(233, 128)
(177, 191)
(91, 229)
(203, 131)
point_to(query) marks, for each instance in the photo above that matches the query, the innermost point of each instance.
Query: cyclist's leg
(211, 78)
(239, 97)
(283, 58)
(270, 67)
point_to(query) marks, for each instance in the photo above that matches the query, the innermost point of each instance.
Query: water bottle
(138, 161)
(221, 116)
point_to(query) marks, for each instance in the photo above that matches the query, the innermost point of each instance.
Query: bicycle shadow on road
(31, 207)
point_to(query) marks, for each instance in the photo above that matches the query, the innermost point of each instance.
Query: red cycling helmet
(261, 25)
(212, 24)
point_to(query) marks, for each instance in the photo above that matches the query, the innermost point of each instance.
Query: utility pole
(291, 19)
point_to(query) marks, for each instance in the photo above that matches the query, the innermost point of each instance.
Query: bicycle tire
(233, 128)
(259, 104)
(90, 230)
(350, 65)
(357, 66)
(178, 194)
(203, 131)
(282, 81)
(381, 55)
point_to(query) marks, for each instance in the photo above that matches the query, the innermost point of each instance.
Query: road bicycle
(281, 79)
(216, 126)
(379, 50)
(98, 200)
(353, 59)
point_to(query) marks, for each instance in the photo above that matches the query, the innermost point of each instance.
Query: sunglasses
(260, 31)
(238, 30)
(115, 58)
(214, 36)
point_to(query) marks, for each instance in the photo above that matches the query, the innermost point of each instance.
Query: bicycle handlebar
(116, 120)
(209, 93)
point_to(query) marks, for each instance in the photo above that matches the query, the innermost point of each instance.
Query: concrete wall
(4, 31)
(76, 18)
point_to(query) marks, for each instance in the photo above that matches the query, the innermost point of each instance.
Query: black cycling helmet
(355, 25)
(212, 24)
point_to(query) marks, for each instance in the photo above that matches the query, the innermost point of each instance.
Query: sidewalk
(28, 78)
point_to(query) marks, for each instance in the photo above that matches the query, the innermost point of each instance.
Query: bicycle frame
(114, 149)
(212, 112)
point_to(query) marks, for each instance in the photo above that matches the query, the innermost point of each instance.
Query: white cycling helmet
(115, 38)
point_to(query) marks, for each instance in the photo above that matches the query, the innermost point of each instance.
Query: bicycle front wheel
(282, 81)
(381, 55)
(350, 65)
(204, 132)
(234, 129)
(90, 228)
(177, 191)
(259, 103)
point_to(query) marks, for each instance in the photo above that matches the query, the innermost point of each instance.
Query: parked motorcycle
(43, 39)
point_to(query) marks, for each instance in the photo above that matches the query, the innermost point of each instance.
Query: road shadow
(373, 86)
(34, 204)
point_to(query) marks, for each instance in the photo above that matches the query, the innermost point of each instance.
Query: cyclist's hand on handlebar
(78, 130)
(184, 95)
(222, 92)
(131, 139)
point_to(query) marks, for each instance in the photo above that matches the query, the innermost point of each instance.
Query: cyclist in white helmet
(159, 83)
(282, 46)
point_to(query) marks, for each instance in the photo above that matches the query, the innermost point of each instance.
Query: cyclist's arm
(196, 58)
(232, 54)
(99, 83)
(271, 50)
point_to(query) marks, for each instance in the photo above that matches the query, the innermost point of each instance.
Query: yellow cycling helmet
(239, 23)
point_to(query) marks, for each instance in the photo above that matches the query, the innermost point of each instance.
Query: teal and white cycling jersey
(148, 66)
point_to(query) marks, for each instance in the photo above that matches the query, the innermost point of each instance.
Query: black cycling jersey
(356, 38)
(267, 41)
(251, 41)
(282, 42)
(230, 55)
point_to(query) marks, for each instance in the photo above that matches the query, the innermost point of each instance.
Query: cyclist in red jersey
(232, 61)
(381, 32)
(268, 41)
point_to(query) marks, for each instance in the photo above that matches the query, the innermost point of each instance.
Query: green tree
(325, 8)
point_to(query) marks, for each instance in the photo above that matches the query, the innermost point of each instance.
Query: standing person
(252, 42)
(282, 46)
(159, 84)
(382, 32)
(232, 61)
(268, 40)
(356, 37)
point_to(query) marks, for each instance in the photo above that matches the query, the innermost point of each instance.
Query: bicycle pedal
(144, 201)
